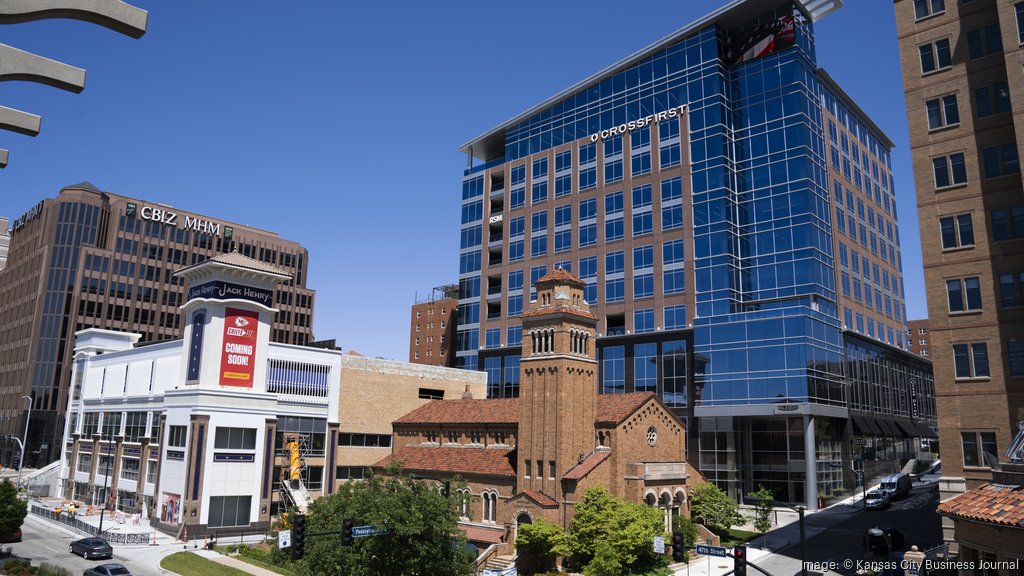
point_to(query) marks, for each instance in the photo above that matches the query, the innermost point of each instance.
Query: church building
(534, 456)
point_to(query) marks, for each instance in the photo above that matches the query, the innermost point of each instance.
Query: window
(942, 112)
(229, 511)
(640, 151)
(672, 260)
(176, 436)
(964, 294)
(613, 227)
(643, 321)
(671, 203)
(949, 170)
(1015, 356)
(431, 394)
(135, 426)
(1019, 7)
(235, 439)
(1000, 160)
(642, 210)
(1011, 290)
(979, 449)
(984, 41)
(675, 317)
(1008, 224)
(643, 271)
(994, 99)
(926, 8)
(668, 137)
(84, 462)
(130, 469)
(539, 186)
(971, 360)
(935, 56)
(588, 222)
(614, 287)
(956, 231)
(613, 159)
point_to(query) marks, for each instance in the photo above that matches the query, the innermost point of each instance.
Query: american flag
(762, 40)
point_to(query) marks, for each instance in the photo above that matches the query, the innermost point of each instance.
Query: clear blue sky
(337, 124)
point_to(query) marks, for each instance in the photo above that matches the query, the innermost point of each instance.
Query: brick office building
(92, 259)
(432, 330)
(965, 106)
(918, 338)
(533, 457)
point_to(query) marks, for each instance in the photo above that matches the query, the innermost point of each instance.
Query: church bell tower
(558, 384)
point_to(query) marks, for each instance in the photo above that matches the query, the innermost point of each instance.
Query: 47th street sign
(710, 550)
(364, 531)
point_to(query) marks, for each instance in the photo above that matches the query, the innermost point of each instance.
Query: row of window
(943, 112)
(970, 360)
(983, 41)
(951, 169)
(964, 294)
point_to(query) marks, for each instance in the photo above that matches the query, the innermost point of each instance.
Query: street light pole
(24, 438)
(106, 480)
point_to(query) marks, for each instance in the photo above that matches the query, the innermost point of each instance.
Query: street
(45, 541)
(835, 536)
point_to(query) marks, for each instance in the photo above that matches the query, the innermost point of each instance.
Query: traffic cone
(153, 541)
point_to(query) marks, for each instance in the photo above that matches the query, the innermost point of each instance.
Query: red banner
(238, 357)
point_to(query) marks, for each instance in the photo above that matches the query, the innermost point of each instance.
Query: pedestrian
(72, 510)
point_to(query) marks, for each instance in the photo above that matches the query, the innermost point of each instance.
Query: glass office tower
(696, 187)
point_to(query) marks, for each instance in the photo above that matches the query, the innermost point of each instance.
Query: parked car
(876, 500)
(91, 548)
(896, 485)
(107, 570)
(12, 537)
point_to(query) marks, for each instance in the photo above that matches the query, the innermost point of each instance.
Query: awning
(873, 425)
(888, 429)
(908, 429)
(859, 427)
(926, 430)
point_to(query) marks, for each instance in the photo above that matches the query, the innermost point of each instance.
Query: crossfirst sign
(670, 114)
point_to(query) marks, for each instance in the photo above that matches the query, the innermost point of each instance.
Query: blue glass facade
(698, 206)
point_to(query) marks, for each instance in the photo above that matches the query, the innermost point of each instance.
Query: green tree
(714, 508)
(609, 536)
(538, 545)
(424, 538)
(690, 532)
(12, 509)
(763, 509)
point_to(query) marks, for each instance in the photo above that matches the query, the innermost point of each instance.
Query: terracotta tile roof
(468, 461)
(611, 409)
(539, 497)
(588, 465)
(614, 408)
(561, 276)
(545, 310)
(994, 503)
(243, 261)
(492, 411)
(482, 533)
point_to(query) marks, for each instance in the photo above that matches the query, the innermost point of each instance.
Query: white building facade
(184, 432)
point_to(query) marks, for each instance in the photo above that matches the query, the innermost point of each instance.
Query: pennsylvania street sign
(364, 531)
(710, 550)
(659, 545)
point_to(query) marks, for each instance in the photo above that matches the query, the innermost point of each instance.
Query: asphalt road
(42, 541)
(837, 543)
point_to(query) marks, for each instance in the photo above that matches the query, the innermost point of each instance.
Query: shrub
(47, 569)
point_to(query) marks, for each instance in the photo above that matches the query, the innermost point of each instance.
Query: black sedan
(91, 548)
(107, 570)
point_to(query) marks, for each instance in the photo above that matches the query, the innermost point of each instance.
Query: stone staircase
(499, 563)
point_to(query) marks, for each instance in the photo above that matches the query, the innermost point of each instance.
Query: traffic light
(740, 554)
(678, 547)
(346, 532)
(298, 537)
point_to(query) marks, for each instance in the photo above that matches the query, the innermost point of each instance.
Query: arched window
(464, 499)
(490, 505)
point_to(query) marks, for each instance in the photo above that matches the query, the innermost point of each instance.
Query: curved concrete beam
(18, 121)
(112, 14)
(20, 65)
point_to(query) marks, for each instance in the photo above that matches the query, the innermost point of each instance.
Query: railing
(112, 537)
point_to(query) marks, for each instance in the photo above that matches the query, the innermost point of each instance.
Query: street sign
(710, 550)
(284, 538)
(860, 442)
(659, 545)
(364, 531)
